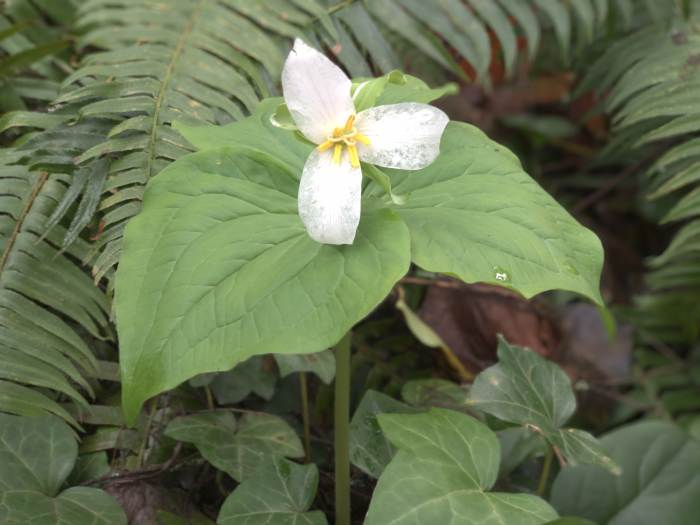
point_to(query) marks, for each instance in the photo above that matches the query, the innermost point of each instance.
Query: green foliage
(659, 481)
(370, 450)
(166, 332)
(280, 493)
(32, 38)
(528, 390)
(36, 457)
(262, 315)
(653, 102)
(237, 447)
(322, 364)
(444, 470)
(44, 296)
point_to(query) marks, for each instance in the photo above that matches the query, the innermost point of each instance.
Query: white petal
(405, 136)
(316, 91)
(329, 198)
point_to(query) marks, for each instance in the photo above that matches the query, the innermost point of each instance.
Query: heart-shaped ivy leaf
(659, 481)
(280, 493)
(36, 456)
(240, 447)
(446, 464)
(526, 389)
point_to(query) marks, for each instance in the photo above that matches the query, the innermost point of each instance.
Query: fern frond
(650, 82)
(33, 35)
(46, 299)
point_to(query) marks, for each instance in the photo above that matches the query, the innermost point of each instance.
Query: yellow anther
(345, 136)
(349, 123)
(326, 145)
(337, 152)
(354, 158)
(362, 138)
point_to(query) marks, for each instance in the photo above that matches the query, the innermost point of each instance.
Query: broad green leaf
(238, 448)
(322, 364)
(89, 467)
(570, 521)
(517, 444)
(74, 506)
(278, 494)
(659, 481)
(433, 392)
(36, 453)
(446, 464)
(255, 133)
(250, 376)
(474, 213)
(526, 389)
(36, 456)
(218, 267)
(370, 450)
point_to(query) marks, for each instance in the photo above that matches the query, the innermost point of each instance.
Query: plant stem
(544, 476)
(305, 415)
(147, 433)
(342, 431)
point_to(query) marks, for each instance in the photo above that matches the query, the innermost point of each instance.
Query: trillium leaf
(278, 494)
(370, 450)
(36, 456)
(659, 481)
(526, 389)
(256, 133)
(446, 464)
(237, 448)
(218, 267)
(474, 213)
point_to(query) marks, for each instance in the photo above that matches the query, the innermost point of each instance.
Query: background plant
(90, 91)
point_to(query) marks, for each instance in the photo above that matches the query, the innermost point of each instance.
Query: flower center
(346, 136)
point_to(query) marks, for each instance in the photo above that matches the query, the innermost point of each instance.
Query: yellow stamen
(362, 138)
(326, 145)
(346, 136)
(354, 158)
(337, 152)
(349, 123)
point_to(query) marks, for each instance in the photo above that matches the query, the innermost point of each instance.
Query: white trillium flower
(405, 136)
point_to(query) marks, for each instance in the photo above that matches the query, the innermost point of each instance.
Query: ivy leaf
(250, 376)
(218, 267)
(36, 456)
(433, 392)
(446, 464)
(278, 494)
(370, 450)
(475, 214)
(659, 481)
(322, 364)
(237, 448)
(526, 389)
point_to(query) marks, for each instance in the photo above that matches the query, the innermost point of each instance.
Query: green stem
(305, 415)
(544, 476)
(342, 431)
(147, 433)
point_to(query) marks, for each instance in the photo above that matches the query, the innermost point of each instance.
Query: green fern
(46, 300)
(650, 81)
(210, 61)
(33, 35)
